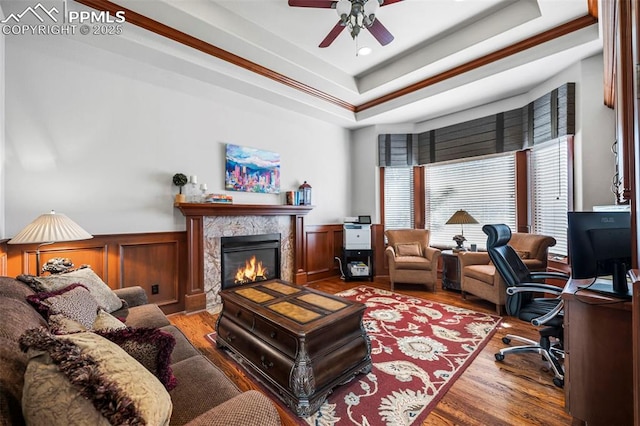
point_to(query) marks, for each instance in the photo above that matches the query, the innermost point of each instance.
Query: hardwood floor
(517, 391)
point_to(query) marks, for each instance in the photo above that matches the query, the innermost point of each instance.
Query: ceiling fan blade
(322, 4)
(388, 2)
(380, 32)
(335, 31)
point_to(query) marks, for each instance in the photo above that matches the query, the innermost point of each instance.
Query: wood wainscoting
(122, 260)
(149, 259)
(3, 257)
(324, 244)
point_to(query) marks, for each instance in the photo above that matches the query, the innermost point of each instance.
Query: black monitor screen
(597, 242)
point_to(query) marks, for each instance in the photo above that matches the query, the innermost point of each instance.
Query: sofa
(202, 395)
(478, 275)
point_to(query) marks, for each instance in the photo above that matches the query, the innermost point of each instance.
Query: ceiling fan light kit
(355, 15)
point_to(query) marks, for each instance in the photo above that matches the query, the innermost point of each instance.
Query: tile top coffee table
(299, 342)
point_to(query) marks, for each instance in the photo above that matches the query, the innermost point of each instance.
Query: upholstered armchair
(410, 258)
(478, 276)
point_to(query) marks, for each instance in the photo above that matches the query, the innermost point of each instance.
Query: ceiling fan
(355, 15)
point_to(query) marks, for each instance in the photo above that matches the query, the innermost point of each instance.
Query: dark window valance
(398, 150)
(548, 117)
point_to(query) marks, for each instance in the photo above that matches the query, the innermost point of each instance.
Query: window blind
(549, 185)
(484, 187)
(398, 197)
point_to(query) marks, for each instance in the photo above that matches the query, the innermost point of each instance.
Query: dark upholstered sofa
(203, 395)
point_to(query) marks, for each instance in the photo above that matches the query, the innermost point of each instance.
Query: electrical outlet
(155, 289)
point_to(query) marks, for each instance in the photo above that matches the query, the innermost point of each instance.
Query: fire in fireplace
(249, 258)
(252, 271)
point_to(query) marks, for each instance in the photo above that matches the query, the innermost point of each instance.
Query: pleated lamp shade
(461, 217)
(50, 228)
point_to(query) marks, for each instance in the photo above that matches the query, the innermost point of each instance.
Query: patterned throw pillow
(105, 297)
(151, 347)
(60, 324)
(74, 302)
(83, 378)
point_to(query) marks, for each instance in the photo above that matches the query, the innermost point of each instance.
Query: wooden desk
(598, 364)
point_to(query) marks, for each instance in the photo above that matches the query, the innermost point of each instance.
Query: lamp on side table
(461, 217)
(48, 229)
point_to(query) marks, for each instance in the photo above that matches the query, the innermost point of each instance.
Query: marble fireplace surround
(207, 223)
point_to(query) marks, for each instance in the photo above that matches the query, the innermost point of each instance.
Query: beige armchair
(479, 277)
(410, 258)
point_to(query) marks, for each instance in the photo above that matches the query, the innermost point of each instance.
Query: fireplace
(249, 258)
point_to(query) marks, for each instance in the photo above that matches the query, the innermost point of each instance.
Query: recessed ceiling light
(364, 51)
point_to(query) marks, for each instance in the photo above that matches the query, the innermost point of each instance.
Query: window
(398, 197)
(548, 170)
(484, 186)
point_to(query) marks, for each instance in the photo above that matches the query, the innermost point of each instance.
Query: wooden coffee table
(300, 343)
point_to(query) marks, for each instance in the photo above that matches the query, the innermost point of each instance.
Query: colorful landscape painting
(252, 170)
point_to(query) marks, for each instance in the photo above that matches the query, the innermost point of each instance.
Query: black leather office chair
(521, 301)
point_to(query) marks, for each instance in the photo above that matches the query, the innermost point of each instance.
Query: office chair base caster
(499, 357)
(558, 382)
(506, 340)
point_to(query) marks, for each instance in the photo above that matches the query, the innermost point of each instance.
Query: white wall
(594, 164)
(98, 137)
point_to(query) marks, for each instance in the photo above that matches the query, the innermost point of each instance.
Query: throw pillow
(106, 298)
(106, 321)
(151, 347)
(409, 249)
(83, 378)
(523, 254)
(74, 302)
(60, 324)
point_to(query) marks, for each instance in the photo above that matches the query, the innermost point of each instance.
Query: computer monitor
(600, 245)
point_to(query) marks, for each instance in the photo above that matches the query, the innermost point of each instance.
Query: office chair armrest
(534, 287)
(549, 315)
(556, 275)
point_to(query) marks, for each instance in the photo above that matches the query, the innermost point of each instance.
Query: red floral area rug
(418, 349)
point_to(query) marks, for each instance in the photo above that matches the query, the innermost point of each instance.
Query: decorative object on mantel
(294, 198)
(218, 198)
(194, 194)
(461, 218)
(305, 196)
(180, 180)
(48, 229)
(252, 170)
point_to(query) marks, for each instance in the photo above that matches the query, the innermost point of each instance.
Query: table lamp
(48, 229)
(461, 217)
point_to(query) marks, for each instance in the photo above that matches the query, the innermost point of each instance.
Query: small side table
(355, 255)
(450, 270)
